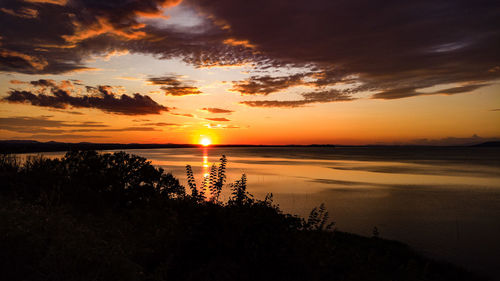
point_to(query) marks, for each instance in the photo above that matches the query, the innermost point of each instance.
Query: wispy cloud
(218, 119)
(182, 114)
(217, 110)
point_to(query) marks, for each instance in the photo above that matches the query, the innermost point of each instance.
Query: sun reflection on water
(205, 172)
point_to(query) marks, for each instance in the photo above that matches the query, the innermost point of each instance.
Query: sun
(205, 142)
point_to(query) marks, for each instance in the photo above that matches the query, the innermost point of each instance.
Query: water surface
(444, 202)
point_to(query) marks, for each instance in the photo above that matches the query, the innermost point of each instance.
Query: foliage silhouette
(88, 179)
(197, 195)
(318, 219)
(239, 195)
(214, 182)
(91, 216)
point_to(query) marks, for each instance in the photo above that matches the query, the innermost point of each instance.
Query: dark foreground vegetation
(91, 216)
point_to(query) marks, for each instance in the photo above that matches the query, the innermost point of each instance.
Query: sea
(442, 201)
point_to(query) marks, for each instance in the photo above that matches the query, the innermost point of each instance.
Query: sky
(250, 72)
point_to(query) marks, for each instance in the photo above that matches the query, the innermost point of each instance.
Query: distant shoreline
(28, 146)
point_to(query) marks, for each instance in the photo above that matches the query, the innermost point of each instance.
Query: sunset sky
(250, 72)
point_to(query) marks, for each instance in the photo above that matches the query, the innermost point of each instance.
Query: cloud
(128, 78)
(125, 129)
(182, 114)
(411, 92)
(43, 124)
(308, 98)
(44, 83)
(55, 36)
(67, 112)
(10, 57)
(55, 2)
(392, 49)
(220, 126)
(64, 136)
(235, 42)
(173, 86)
(22, 12)
(100, 97)
(265, 85)
(217, 110)
(218, 119)
(45, 121)
(163, 124)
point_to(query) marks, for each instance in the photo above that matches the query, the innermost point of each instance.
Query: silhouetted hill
(488, 144)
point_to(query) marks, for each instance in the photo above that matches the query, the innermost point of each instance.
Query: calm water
(444, 202)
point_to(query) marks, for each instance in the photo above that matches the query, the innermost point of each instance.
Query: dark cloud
(495, 109)
(391, 48)
(217, 110)
(100, 97)
(172, 85)
(61, 37)
(264, 85)
(22, 12)
(308, 98)
(218, 119)
(44, 83)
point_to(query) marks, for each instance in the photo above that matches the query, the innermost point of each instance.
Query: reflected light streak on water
(205, 173)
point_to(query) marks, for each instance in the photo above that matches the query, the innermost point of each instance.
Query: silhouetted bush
(90, 216)
(87, 179)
